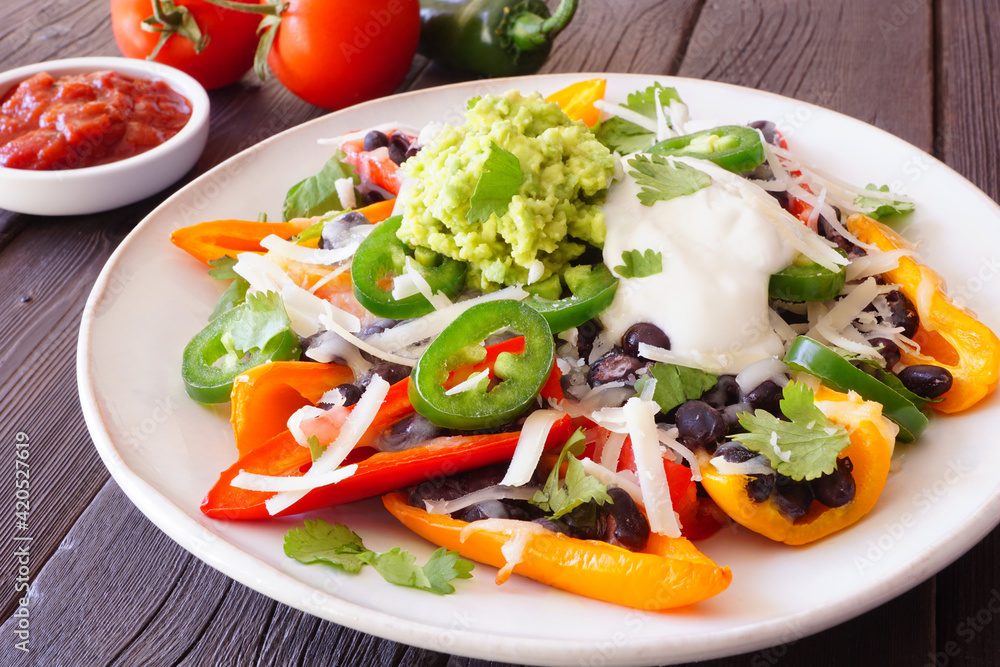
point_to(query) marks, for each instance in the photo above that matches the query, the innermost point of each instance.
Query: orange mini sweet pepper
(577, 100)
(265, 397)
(668, 573)
(948, 336)
(872, 440)
(215, 239)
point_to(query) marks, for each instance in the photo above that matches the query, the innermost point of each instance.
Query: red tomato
(334, 53)
(232, 40)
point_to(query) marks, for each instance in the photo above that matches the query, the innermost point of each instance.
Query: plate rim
(178, 524)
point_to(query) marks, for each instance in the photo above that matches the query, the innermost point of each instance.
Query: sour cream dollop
(720, 246)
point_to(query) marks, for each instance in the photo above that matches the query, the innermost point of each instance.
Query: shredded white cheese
(496, 492)
(530, 445)
(469, 383)
(640, 418)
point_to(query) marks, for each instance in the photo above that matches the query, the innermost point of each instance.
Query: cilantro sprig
(497, 185)
(317, 194)
(626, 137)
(640, 265)
(337, 545)
(662, 179)
(261, 319)
(579, 488)
(676, 384)
(880, 208)
(806, 446)
(236, 293)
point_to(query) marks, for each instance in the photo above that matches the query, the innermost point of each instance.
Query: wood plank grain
(968, 139)
(839, 55)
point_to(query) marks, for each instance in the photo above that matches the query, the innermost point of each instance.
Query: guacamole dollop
(547, 223)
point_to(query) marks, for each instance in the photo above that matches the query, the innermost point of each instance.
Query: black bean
(388, 371)
(768, 129)
(377, 327)
(699, 424)
(827, 230)
(643, 332)
(791, 317)
(554, 526)
(335, 231)
(374, 197)
(725, 392)
(784, 199)
(489, 509)
(765, 396)
(407, 433)
(625, 525)
(760, 487)
(350, 392)
(615, 366)
(734, 452)
(836, 489)
(586, 334)
(374, 140)
(791, 498)
(888, 349)
(731, 415)
(926, 380)
(902, 313)
(586, 521)
(412, 150)
(398, 145)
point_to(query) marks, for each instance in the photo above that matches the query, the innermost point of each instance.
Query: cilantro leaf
(263, 317)
(809, 441)
(315, 449)
(676, 384)
(222, 268)
(580, 488)
(640, 265)
(663, 180)
(317, 194)
(234, 295)
(319, 542)
(499, 182)
(626, 137)
(880, 208)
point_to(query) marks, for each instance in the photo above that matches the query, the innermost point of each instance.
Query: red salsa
(84, 120)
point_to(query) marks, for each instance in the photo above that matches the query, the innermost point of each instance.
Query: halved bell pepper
(577, 100)
(215, 239)
(668, 573)
(265, 397)
(948, 336)
(872, 441)
(376, 474)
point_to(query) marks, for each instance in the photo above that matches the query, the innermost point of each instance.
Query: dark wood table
(107, 587)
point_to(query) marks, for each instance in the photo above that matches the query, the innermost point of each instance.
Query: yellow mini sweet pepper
(872, 440)
(948, 336)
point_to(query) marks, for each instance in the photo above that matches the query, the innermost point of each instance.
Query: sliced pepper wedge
(870, 451)
(668, 573)
(376, 474)
(735, 148)
(590, 295)
(264, 397)
(948, 336)
(577, 100)
(213, 240)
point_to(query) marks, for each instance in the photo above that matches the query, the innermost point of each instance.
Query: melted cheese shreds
(923, 301)
(361, 417)
(640, 419)
(612, 450)
(298, 253)
(608, 478)
(875, 263)
(334, 326)
(530, 444)
(758, 372)
(758, 465)
(254, 482)
(495, 492)
(712, 363)
(519, 534)
(295, 421)
(469, 383)
(669, 438)
(345, 192)
(626, 114)
(430, 325)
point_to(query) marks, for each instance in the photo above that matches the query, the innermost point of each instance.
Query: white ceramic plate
(166, 451)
